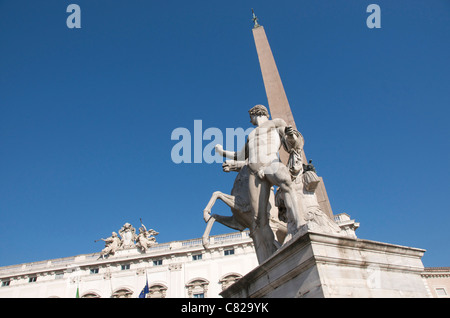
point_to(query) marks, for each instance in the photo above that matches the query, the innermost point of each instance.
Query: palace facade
(178, 269)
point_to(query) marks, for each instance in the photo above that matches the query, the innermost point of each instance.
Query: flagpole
(144, 290)
(78, 288)
(110, 282)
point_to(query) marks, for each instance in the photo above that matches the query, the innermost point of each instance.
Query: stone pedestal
(316, 265)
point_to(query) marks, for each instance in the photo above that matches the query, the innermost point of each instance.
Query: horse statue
(239, 202)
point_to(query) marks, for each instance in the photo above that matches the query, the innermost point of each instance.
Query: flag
(145, 290)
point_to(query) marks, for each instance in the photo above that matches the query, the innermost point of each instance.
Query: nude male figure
(266, 170)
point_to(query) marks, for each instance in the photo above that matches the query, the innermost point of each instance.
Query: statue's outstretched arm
(224, 153)
(233, 165)
(235, 155)
(145, 229)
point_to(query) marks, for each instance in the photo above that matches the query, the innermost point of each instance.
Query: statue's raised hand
(289, 131)
(227, 166)
(219, 149)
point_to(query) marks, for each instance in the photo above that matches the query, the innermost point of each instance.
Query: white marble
(318, 265)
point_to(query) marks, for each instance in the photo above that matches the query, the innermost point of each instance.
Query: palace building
(178, 269)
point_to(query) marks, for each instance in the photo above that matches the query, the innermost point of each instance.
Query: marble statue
(145, 238)
(112, 244)
(310, 178)
(266, 170)
(315, 219)
(128, 236)
(239, 202)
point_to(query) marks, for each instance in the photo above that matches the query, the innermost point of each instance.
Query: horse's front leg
(205, 237)
(228, 199)
(229, 221)
(207, 210)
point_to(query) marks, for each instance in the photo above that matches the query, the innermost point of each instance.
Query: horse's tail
(205, 238)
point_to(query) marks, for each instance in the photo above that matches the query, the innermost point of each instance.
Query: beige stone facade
(437, 280)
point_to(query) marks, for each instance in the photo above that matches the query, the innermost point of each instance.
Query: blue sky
(86, 115)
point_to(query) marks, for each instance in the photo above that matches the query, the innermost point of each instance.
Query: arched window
(197, 288)
(90, 295)
(122, 293)
(157, 291)
(229, 279)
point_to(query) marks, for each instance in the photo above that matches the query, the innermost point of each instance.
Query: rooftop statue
(128, 236)
(112, 244)
(145, 238)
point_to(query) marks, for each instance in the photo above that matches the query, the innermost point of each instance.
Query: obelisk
(277, 100)
(276, 96)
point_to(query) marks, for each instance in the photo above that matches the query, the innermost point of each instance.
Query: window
(93, 270)
(441, 292)
(125, 267)
(197, 288)
(229, 280)
(32, 279)
(157, 262)
(90, 295)
(196, 257)
(228, 252)
(6, 283)
(122, 293)
(59, 275)
(157, 291)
